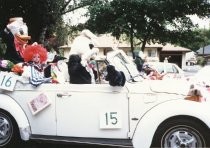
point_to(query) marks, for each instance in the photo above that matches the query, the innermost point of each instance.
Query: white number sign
(110, 120)
(7, 81)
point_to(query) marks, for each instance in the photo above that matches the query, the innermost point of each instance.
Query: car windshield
(171, 69)
(158, 67)
(164, 67)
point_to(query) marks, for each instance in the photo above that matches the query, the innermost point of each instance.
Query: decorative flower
(6, 64)
(17, 69)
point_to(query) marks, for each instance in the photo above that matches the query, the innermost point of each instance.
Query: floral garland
(6, 64)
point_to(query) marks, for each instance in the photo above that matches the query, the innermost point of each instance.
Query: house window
(151, 53)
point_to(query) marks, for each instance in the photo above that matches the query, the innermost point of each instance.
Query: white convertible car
(140, 114)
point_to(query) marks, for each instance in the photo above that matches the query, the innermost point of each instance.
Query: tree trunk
(42, 35)
(145, 40)
(143, 45)
(131, 41)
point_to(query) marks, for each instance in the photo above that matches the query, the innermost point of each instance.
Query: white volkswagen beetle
(141, 114)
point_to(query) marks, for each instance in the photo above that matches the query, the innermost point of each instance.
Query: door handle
(60, 95)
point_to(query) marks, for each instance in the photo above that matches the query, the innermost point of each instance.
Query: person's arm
(160, 76)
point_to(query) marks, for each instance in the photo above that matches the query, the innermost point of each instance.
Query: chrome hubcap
(5, 130)
(182, 138)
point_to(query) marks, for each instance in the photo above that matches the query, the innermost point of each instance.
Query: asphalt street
(34, 144)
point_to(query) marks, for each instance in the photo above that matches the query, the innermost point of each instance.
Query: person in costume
(35, 56)
(140, 59)
(16, 37)
(78, 73)
(57, 65)
(152, 74)
(83, 46)
(115, 78)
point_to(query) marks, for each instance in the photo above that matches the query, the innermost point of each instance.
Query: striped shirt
(37, 76)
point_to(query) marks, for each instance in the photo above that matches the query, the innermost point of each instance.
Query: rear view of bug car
(140, 114)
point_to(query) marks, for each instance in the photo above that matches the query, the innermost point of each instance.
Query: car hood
(169, 86)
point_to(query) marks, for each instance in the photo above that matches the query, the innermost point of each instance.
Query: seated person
(35, 56)
(78, 73)
(153, 74)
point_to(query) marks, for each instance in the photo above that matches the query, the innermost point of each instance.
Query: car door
(92, 110)
(39, 106)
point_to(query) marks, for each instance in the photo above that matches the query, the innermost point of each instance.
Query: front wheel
(181, 133)
(9, 134)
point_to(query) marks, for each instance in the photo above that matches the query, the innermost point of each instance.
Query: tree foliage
(43, 17)
(193, 40)
(149, 21)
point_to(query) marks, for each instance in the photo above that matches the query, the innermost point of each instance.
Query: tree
(42, 16)
(159, 21)
(194, 40)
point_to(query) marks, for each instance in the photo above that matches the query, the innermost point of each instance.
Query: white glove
(95, 50)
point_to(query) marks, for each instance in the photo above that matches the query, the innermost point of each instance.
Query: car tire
(181, 132)
(9, 133)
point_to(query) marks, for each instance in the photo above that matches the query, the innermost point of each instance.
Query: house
(154, 52)
(191, 58)
(204, 52)
(175, 54)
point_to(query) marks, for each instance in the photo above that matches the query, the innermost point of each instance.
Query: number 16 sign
(7, 81)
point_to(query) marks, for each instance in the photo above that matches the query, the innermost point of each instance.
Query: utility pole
(204, 44)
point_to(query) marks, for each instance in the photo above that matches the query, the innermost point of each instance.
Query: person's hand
(95, 50)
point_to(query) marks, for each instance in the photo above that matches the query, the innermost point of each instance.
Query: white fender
(147, 126)
(9, 105)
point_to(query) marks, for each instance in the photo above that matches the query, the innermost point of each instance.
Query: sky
(77, 17)
(203, 23)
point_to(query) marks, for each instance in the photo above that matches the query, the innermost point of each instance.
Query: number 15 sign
(7, 81)
(110, 120)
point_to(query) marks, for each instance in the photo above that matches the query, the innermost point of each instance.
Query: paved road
(56, 145)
